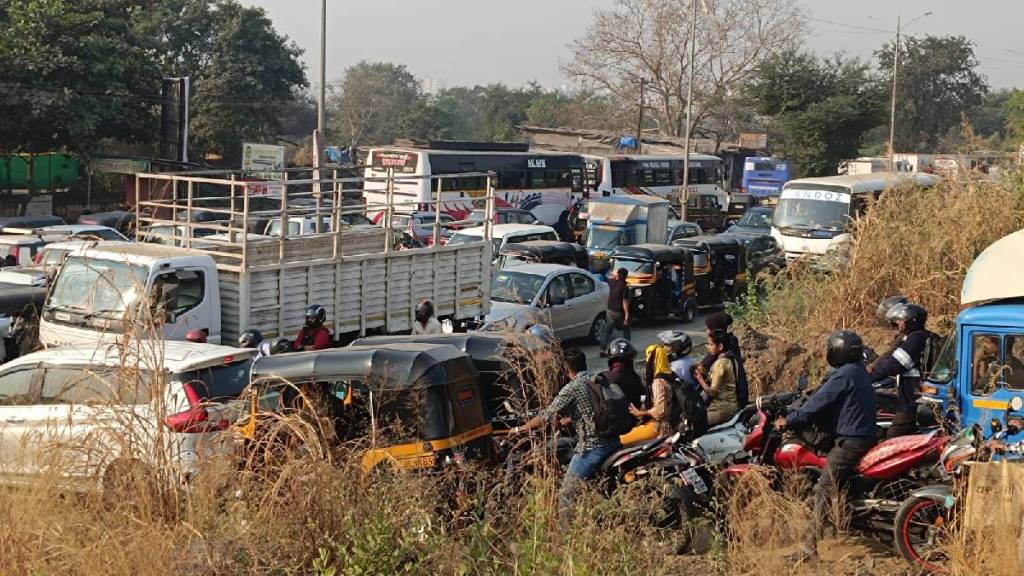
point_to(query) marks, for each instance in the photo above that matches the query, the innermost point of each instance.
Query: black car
(757, 221)
(763, 251)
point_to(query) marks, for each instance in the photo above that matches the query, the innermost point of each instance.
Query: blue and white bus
(764, 177)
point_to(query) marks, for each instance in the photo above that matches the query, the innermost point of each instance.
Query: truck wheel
(918, 534)
(597, 328)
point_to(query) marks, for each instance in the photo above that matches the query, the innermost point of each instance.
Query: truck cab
(980, 370)
(103, 291)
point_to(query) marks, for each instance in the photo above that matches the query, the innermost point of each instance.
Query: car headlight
(638, 292)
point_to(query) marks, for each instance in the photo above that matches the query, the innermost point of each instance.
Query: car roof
(175, 356)
(544, 269)
(502, 230)
(23, 239)
(76, 228)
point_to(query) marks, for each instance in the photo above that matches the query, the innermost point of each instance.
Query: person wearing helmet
(253, 338)
(280, 345)
(679, 346)
(847, 402)
(885, 305)
(314, 335)
(905, 362)
(425, 322)
(621, 356)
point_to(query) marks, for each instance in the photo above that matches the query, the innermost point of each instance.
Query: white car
(570, 300)
(502, 234)
(85, 231)
(70, 413)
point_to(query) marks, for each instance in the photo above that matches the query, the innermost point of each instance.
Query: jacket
(904, 363)
(846, 399)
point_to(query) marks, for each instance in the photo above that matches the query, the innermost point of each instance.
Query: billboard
(264, 161)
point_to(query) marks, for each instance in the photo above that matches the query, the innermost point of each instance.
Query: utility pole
(640, 122)
(689, 110)
(318, 134)
(895, 75)
(892, 108)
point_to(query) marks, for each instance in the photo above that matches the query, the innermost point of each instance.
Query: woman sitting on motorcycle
(720, 384)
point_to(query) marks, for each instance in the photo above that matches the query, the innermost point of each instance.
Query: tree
(244, 74)
(820, 109)
(1013, 109)
(937, 84)
(373, 103)
(72, 73)
(650, 40)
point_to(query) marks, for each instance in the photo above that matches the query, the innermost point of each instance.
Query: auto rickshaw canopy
(654, 252)
(548, 251)
(14, 299)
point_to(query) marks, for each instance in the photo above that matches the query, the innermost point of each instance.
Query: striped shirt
(574, 400)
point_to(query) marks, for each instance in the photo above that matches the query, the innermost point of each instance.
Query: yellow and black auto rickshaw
(419, 405)
(661, 280)
(719, 267)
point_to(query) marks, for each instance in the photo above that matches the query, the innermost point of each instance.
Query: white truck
(235, 280)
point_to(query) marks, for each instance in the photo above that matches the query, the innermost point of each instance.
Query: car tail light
(196, 419)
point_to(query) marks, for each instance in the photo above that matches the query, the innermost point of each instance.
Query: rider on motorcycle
(848, 401)
(904, 362)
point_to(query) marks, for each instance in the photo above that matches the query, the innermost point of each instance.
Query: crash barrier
(995, 502)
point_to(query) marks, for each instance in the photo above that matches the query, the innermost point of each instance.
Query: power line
(845, 25)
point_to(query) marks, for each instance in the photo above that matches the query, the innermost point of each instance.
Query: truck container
(624, 221)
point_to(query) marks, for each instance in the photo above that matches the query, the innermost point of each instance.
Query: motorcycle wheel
(918, 534)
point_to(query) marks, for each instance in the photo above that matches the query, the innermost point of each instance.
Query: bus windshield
(809, 213)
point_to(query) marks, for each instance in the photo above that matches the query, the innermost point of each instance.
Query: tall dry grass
(917, 243)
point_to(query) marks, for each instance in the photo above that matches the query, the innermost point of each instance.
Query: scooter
(886, 475)
(929, 512)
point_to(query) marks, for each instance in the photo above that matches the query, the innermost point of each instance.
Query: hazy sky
(516, 41)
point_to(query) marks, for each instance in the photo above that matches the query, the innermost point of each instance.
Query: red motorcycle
(885, 477)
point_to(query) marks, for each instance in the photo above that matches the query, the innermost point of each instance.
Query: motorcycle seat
(629, 450)
(731, 423)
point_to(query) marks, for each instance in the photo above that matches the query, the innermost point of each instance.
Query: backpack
(687, 412)
(611, 409)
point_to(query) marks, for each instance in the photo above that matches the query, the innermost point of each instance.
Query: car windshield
(606, 239)
(93, 286)
(756, 219)
(461, 238)
(634, 266)
(516, 287)
(810, 214)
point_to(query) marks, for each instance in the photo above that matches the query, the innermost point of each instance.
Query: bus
(656, 175)
(764, 177)
(545, 183)
(813, 213)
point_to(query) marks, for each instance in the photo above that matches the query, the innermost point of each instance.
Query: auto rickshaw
(661, 280)
(719, 266)
(507, 365)
(542, 252)
(421, 404)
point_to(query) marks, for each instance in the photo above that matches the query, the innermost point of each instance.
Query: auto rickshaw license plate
(695, 481)
(424, 462)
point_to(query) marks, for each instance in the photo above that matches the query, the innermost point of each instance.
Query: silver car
(570, 300)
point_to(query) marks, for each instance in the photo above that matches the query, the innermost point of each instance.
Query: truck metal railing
(246, 223)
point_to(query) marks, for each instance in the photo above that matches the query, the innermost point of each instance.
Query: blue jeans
(582, 467)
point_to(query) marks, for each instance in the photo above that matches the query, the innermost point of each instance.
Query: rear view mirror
(801, 383)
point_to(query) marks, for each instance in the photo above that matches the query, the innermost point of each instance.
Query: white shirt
(432, 327)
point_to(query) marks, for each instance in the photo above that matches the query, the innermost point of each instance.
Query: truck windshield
(605, 238)
(945, 365)
(97, 287)
(812, 214)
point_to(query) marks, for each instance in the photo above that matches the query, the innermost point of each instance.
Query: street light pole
(689, 110)
(323, 68)
(895, 75)
(640, 121)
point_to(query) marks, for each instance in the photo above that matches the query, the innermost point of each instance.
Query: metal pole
(640, 121)
(689, 111)
(892, 109)
(323, 68)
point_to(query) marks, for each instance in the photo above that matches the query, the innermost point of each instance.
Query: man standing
(847, 401)
(314, 335)
(576, 401)
(904, 362)
(617, 309)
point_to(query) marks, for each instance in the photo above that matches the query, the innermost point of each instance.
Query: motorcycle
(885, 476)
(930, 512)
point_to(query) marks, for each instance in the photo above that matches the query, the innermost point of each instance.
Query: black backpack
(687, 412)
(611, 409)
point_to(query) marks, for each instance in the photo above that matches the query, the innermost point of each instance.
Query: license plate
(695, 481)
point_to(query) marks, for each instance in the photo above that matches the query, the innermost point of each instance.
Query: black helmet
(915, 316)
(424, 310)
(885, 305)
(251, 338)
(315, 315)
(621, 350)
(280, 345)
(844, 347)
(677, 342)
(543, 332)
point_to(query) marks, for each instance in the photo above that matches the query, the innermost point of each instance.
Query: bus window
(511, 179)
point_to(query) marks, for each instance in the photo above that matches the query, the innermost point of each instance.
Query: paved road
(645, 333)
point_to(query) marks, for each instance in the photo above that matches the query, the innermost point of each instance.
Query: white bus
(657, 175)
(545, 183)
(813, 213)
